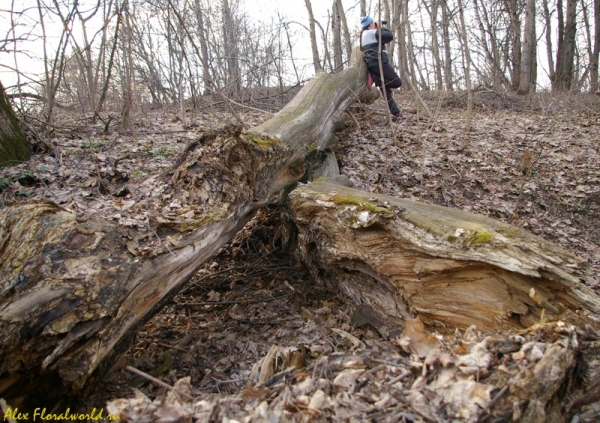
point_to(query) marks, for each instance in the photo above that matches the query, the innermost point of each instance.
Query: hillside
(254, 295)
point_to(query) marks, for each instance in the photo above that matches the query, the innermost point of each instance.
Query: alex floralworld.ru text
(41, 414)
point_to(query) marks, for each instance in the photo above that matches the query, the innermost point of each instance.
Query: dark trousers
(391, 80)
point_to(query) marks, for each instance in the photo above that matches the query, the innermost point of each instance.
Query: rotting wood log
(73, 292)
(451, 268)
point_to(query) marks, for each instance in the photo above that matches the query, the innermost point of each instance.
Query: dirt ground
(532, 162)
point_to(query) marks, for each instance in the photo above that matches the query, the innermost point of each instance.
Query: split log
(74, 293)
(452, 269)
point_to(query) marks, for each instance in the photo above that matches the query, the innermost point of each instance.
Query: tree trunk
(230, 31)
(565, 56)
(514, 12)
(13, 145)
(336, 29)
(435, 45)
(467, 61)
(74, 293)
(345, 30)
(313, 38)
(596, 50)
(448, 76)
(203, 45)
(528, 53)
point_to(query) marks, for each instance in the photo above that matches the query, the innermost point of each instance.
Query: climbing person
(369, 45)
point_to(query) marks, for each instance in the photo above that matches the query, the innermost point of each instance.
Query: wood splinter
(537, 298)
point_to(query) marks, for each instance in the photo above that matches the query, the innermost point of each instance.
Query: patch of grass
(162, 152)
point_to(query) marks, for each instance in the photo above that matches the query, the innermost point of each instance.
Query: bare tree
(565, 54)
(467, 61)
(432, 10)
(336, 29)
(127, 70)
(230, 34)
(514, 12)
(489, 21)
(446, 17)
(202, 40)
(347, 40)
(54, 65)
(528, 53)
(111, 61)
(596, 50)
(313, 37)
(549, 42)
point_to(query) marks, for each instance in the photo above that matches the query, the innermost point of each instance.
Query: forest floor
(533, 162)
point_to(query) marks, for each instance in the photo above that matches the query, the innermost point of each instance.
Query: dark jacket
(369, 42)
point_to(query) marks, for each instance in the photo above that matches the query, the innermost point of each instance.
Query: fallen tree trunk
(75, 292)
(400, 259)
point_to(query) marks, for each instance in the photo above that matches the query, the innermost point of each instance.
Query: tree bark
(336, 29)
(435, 45)
(230, 30)
(467, 60)
(596, 50)
(565, 55)
(528, 53)
(448, 75)
(313, 38)
(13, 145)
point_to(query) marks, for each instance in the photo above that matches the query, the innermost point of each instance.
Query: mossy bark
(13, 144)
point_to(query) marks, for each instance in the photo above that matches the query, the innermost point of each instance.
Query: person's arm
(386, 35)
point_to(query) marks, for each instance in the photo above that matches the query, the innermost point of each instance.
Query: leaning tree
(13, 144)
(74, 291)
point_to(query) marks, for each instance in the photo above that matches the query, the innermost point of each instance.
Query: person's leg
(390, 101)
(392, 80)
(390, 76)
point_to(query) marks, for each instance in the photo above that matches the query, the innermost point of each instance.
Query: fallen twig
(157, 382)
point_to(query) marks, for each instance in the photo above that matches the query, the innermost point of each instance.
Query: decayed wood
(449, 267)
(74, 293)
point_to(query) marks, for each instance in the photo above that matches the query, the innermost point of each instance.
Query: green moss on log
(364, 205)
(263, 141)
(480, 237)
